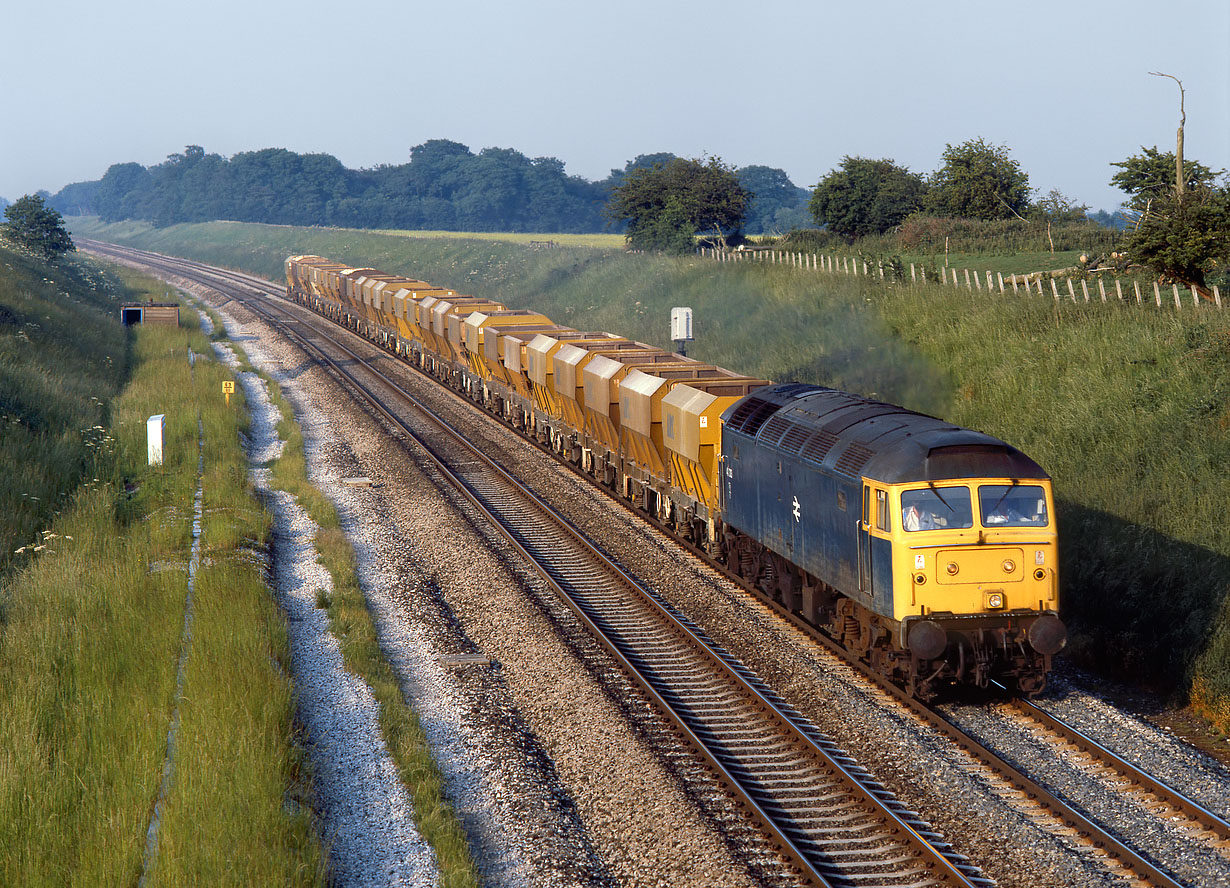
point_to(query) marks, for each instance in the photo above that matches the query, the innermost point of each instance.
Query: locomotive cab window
(1012, 505)
(882, 522)
(936, 508)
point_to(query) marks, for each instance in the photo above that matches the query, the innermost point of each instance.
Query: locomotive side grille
(819, 446)
(853, 460)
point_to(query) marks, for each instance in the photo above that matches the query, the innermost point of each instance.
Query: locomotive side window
(936, 508)
(1016, 505)
(882, 510)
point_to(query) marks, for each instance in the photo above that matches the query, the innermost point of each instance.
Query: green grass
(63, 357)
(89, 646)
(1123, 404)
(352, 625)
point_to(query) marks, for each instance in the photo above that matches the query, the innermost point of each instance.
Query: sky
(784, 83)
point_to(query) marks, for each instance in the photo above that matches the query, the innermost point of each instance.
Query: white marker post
(153, 434)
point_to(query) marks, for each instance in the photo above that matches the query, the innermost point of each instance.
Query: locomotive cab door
(863, 531)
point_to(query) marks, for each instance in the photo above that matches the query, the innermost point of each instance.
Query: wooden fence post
(1085, 289)
(1216, 296)
(1001, 281)
(1157, 294)
(1014, 283)
(968, 285)
(913, 275)
(864, 268)
(1071, 291)
(1102, 289)
(1054, 288)
(1119, 289)
(924, 274)
(1177, 303)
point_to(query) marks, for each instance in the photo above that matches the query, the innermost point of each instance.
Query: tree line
(662, 201)
(444, 186)
(1176, 213)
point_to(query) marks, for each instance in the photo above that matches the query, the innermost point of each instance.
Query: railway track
(761, 748)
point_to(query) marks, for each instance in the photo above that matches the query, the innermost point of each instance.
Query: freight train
(927, 550)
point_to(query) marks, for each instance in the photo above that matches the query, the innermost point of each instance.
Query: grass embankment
(1124, 405)
(62, 358)
(89, 644)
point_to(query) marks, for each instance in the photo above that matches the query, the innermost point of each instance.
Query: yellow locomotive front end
(975, 578)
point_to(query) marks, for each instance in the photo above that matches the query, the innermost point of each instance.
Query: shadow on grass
(1141, 607)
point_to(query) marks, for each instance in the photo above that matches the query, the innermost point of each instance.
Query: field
(1124, 405)
(602, 241)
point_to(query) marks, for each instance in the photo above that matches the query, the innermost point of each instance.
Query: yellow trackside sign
(228, 389)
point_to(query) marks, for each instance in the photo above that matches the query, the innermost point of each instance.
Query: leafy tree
(1184, 236)
(978, 181)
(866, 197)
(1057, 207)
(640, 162)
(1151, 174)
(667, 204)
(38, 227)
(774, 196)
(1106, 219)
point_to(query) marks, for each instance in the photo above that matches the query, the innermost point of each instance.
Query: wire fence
(1108, 289)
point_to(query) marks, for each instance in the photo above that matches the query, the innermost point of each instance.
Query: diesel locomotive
(927, 550)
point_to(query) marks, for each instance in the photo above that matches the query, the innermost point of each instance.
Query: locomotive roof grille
(818, 447)
(852, 461)
(774, 429)
(795, 437)
(751, 415)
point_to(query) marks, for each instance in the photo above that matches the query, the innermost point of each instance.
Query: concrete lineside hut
(149, 313)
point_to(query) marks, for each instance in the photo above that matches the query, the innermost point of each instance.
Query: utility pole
(1179, 179)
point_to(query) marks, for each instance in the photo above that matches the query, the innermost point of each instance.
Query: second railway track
(785, 771)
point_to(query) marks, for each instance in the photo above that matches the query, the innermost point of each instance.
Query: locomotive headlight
(1009, 565)
(995, 600)
(952, 568)
(919, 578)
(1039, 574)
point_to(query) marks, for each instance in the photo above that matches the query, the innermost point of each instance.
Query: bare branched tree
(1179, 178)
